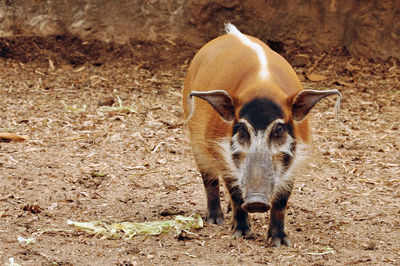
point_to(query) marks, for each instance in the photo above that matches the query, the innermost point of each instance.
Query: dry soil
(87, 164)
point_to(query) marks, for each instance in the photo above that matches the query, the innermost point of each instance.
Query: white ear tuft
(220, 100)
(305, 100)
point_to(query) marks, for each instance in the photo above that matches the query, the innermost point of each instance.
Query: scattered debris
(33, 208)
(344, 83)
(119, 108)
(328, 250)
(79, 69)
(11, 262)
(107, 102)
(97, 174)
(7, 129)
(158, 146)
(51, 64)
(171, 211)
(128, 230)
(300, 60)
(190, 255)
(315, 77)
(26, 240)
(54, 167)
(73, 108)
(6, 136)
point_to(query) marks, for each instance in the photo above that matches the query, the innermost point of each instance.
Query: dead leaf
(343, 83)
(66, 67)
(171, 42)
(300, 60)
(353, 68)
(170, 211)
(51, 64)
(162, 161)
(33, 208)
(107, 102)
(12, 136)
(79, 69)
(316, 77)
(39, 72)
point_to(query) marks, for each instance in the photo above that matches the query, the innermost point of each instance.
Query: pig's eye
(241, 129)
(278, 131)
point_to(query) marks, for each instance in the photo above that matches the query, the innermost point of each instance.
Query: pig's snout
(256, 203)
(257, 182)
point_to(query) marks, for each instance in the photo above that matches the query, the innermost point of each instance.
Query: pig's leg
(240, 218)
(276, 231)
(214, 211)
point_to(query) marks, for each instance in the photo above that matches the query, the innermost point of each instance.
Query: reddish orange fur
(225, 63)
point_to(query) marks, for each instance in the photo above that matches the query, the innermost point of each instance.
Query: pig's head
(264, 143)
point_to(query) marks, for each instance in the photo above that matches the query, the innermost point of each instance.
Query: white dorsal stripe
(231, 29)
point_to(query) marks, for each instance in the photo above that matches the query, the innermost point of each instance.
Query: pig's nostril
(257, 204)
(256, 207)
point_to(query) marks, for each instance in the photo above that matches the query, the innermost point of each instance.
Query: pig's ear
(220, 100)
(305, 100)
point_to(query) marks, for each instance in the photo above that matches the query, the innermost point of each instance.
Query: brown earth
(364, 28)
(93, 165)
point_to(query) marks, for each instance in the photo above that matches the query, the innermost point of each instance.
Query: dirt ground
(111, 166)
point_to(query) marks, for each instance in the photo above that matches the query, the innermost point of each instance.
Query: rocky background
(361, 28)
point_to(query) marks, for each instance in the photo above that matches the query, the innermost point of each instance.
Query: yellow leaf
(316, 77)
(12, 136)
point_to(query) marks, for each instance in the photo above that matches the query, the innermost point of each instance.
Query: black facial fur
(289, 127)
(260, 113)
(287, 159)
(278, 131)
(241, 129)
(236, 157)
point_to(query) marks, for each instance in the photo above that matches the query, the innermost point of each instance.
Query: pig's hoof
(278, 241)
(242, 230)
(215, 218)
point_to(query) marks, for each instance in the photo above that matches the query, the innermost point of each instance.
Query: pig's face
(262, 151)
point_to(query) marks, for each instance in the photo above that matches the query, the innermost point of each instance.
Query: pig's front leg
(214, 212)
(276, 231)
(240, 218)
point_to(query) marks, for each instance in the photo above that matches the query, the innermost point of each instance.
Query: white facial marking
(259, 143)
(231, 29)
